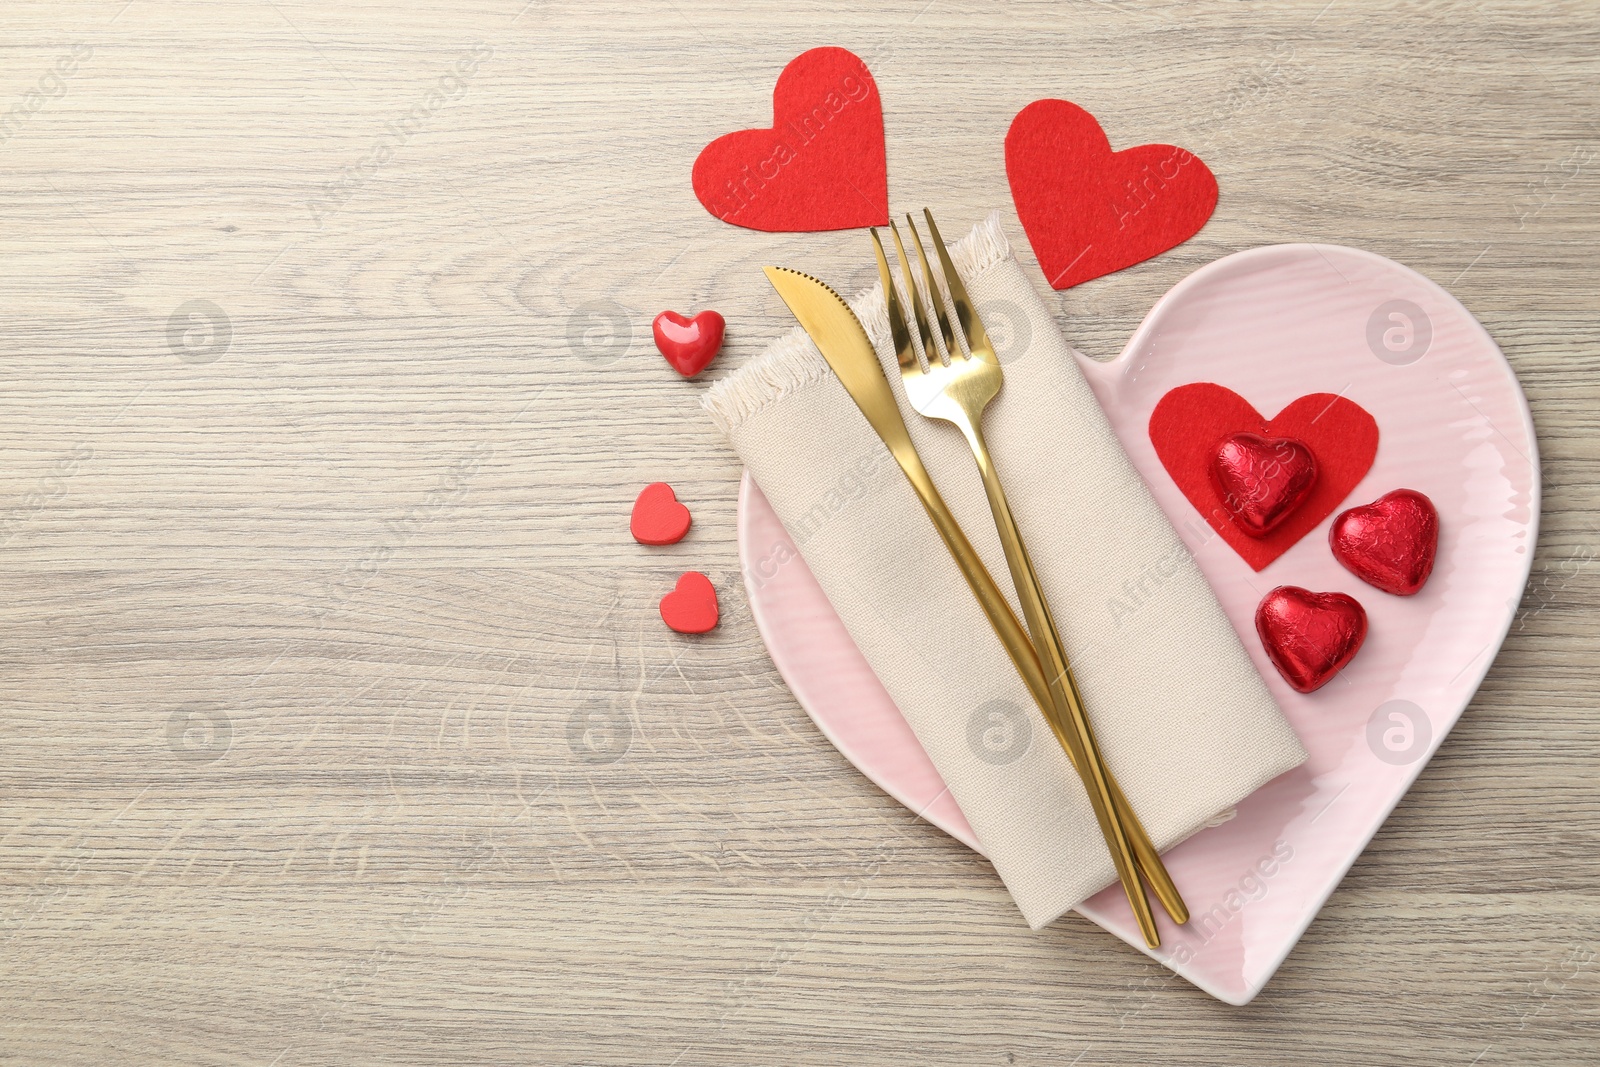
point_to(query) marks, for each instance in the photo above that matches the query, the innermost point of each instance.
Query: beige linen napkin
(1184, 721)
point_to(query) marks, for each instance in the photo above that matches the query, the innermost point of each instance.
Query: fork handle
(1065, 699)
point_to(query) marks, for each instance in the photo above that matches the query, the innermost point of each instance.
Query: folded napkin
(1183, 719)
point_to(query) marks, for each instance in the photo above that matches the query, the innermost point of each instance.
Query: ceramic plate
(1272, 324)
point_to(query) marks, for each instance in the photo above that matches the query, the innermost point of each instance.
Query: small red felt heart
(689, 344)
(821, 164)
(1310, 636)
(691, 607)
(1188, 422)
(1262, 479)
(1090, 211)
(1389, 543)
(658, 518)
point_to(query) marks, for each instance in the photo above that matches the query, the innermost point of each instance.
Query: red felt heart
(1263, 479)
(1189, 421)
(688, 344)
(658, 518)
(1088, 210)
(691, 607)
(1389, 543)
(821, 164)
(1310, 636)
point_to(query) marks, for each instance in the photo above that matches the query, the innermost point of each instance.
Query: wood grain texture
(340, 727)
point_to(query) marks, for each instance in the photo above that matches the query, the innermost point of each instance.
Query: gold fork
(958, 392)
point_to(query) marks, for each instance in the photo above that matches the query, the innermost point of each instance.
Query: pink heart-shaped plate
(1273, 324)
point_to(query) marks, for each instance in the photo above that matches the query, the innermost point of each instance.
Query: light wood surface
(303, 628)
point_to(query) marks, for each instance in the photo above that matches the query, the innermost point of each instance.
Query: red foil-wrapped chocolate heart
(1310, 636)
(1389, 543)
(1262, 479)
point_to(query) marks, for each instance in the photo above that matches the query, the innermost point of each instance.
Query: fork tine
(923, 334)
(899, 333)
(971, 326)
(934, 296)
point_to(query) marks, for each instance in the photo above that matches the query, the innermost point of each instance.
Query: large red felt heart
(1310, 636)
(1188, 422)
(820, 166)
(1088, 210)
(688, 344)
(658, 518)
(691, 607)
(1389, 543)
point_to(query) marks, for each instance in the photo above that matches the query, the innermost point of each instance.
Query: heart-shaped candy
(819, 166)
(691, 607)
(1262, 479)
(1389, 543)
(1188, 422)
(658, 518)
(689, 344)
(1089, 211)
(1310, 636)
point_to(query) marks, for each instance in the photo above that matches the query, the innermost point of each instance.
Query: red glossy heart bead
(691, 607)
(1262, 480)
(1389, 543)
(688, 344)
(658, 518)
(1310, 636)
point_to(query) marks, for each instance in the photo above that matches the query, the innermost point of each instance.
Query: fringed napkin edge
(791, 362)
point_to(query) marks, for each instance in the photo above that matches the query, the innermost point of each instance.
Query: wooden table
(340, 726)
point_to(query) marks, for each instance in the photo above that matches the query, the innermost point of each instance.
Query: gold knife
(838, 334)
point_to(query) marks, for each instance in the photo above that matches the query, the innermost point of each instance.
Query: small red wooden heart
(1089, 211)
(689, 344)
(1263, 479)
(658, 518)
(819, 166)
(1310, 636)
(1389, 543)
(691, 607)
(1189, 421)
